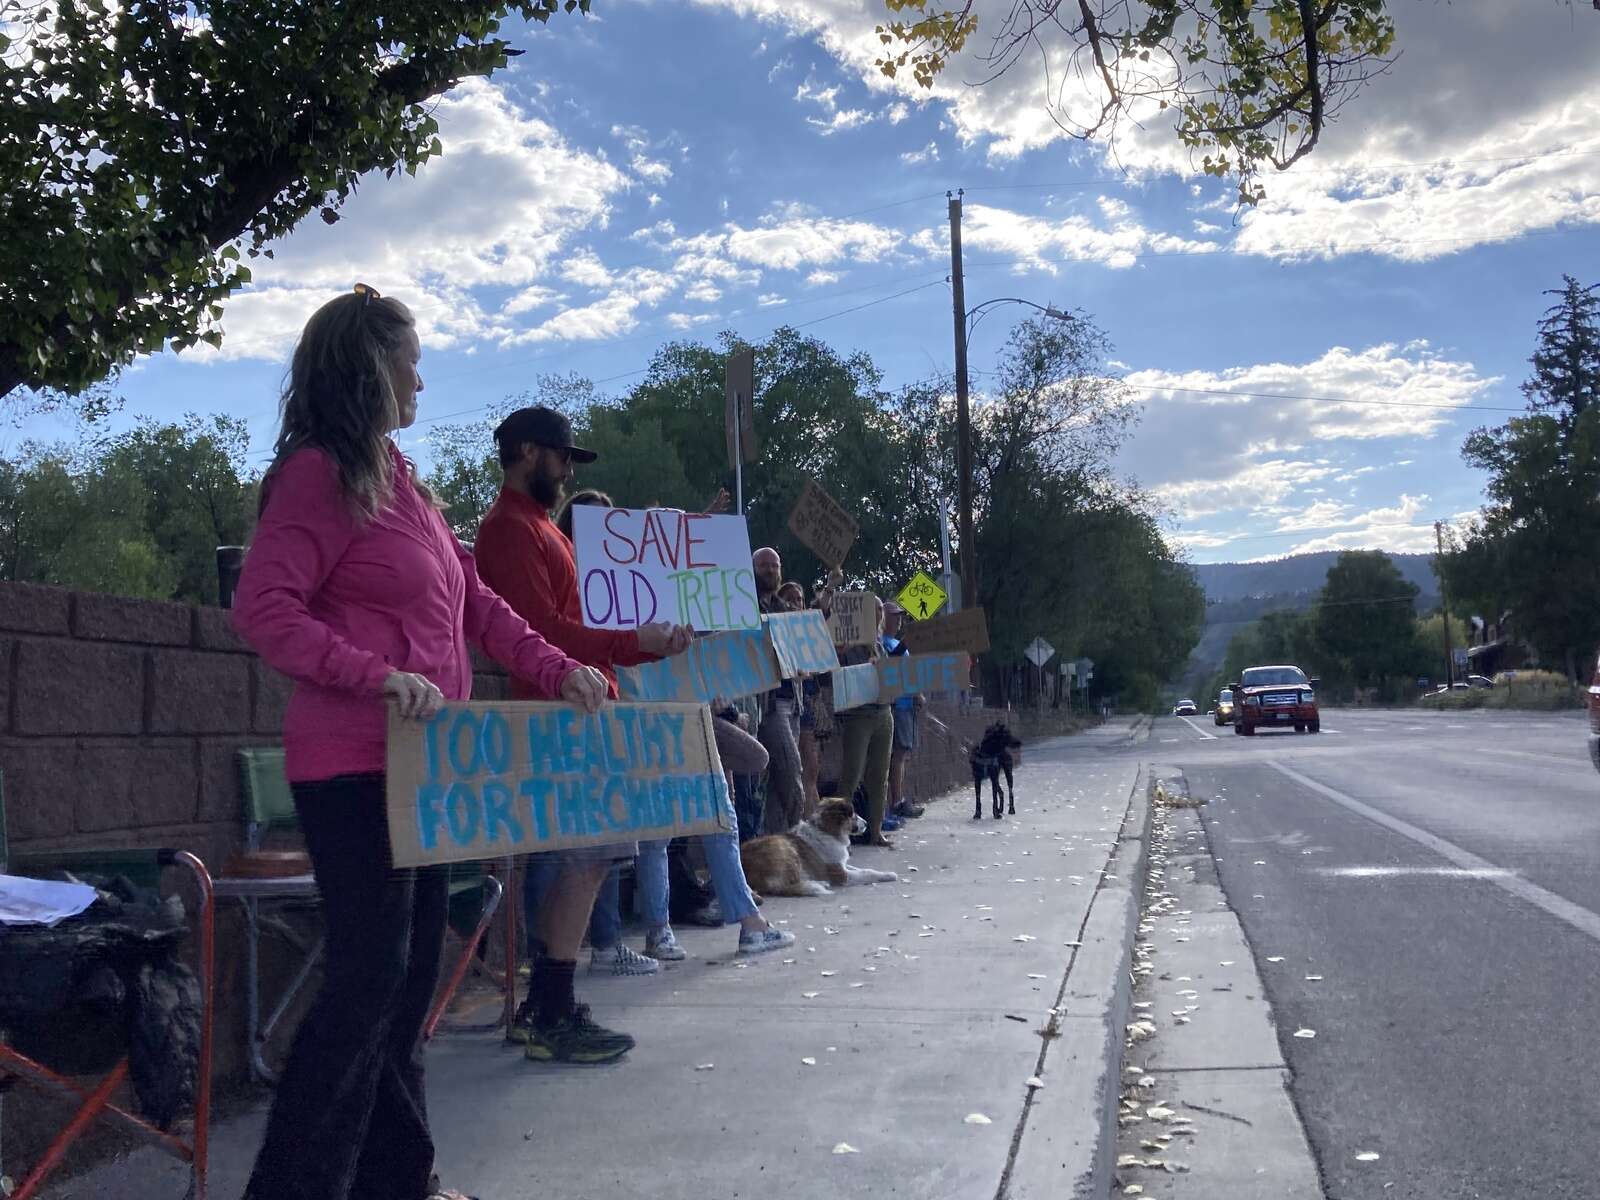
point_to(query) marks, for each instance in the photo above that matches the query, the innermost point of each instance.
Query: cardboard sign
(822, 525)
(739, 391)
(484, 780)
(801, 642)
(853, 618)
(722, 666)
(966, 630)
(638, 565)
(886, 679)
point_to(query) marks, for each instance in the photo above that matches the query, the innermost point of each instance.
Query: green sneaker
(521, 1027)
(577, 1039)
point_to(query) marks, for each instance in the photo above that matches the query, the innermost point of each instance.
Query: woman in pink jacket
(356, 589)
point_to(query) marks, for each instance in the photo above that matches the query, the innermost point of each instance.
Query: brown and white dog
(810, 857)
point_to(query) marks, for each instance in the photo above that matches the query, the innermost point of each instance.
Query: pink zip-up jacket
(336, 603)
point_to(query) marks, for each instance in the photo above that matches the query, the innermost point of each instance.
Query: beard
(545, 488)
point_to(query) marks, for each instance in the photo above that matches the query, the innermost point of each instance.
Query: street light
(969, 556)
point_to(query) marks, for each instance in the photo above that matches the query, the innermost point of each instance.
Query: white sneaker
(620, 960)
(763, 941)
(663, 946)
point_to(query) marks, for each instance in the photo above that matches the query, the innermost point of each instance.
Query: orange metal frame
(95, 1103)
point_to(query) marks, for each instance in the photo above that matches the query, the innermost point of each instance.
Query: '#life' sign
(638, 565)
(484, 780)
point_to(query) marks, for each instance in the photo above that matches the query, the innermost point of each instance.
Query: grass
(1529, 691)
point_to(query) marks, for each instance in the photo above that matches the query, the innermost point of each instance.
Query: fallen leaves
(845, 1148)
(1305, 1033)
(977, 1119)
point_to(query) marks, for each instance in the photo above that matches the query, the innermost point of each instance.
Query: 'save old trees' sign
(638, 565)
(484, 780)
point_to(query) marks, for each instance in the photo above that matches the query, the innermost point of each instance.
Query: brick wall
(119, 720)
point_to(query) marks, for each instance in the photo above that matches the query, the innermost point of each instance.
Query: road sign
(1084, 669)
(739, 387)
(1039, 652)
(922, 597)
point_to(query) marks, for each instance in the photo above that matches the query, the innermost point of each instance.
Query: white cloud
(768, 299)
(651, 170)
(844, 118)
(928, 153)
(499, 208)
(585, 268)
(1042, 243)
(1457, 145)
(897, 112)
(703, 291)
(821, 278)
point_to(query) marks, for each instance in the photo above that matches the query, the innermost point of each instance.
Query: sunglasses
(368, 294)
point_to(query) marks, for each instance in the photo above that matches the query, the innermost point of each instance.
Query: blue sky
(664, 170)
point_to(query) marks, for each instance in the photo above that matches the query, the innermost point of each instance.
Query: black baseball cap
(543, 427)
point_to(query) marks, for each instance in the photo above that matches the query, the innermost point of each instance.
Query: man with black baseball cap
(524, 557)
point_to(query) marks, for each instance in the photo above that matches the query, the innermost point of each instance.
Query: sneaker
(521, 1027)
(663, 946)
(577, 1039)
(890, 824)
(762, 941)
(621, 960)
(909, 808)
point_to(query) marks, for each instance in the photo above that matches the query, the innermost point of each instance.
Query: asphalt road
(1428, 886)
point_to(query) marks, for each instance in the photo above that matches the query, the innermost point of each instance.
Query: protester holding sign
(780, 721)
(525, 557)
(355, 588)
(906, 710)
(868, 732)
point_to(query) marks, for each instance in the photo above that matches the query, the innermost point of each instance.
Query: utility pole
(958, 297)
(1444, 604)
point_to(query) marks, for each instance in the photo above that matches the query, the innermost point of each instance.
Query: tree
(136, 515)
(1532, 548)
(142, 144)
(1365, 621)
(1247, 84)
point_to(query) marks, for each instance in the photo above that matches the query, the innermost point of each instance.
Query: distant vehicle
(1275, 697)
(1185, 708)
(1223, 713)
(1479, 681)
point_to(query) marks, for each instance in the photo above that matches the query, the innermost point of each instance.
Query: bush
(1536, 691)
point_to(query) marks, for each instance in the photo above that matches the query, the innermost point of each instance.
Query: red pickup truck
(1275, 697)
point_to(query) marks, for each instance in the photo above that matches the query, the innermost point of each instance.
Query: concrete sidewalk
(904, 1014)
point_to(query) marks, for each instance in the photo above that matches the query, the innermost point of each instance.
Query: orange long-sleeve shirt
(523, 556)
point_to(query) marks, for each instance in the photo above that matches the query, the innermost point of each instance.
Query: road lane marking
(1429, 872)
(1204, 736)
(1559, 907)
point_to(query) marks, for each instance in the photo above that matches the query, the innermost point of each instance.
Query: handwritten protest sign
(965, 630)
(822, 525)
(801, 642)
(853, 618)
(886, 679)
(722, 666)
(638, 565)
(484, 780)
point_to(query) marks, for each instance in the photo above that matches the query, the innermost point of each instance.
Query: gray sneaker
(621, 960)
(764, 941)
(662, 945)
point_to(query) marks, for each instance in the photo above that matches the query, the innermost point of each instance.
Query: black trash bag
(107, 983)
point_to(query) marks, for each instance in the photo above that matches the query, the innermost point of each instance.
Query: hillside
(1298, 573)
(1239, 593)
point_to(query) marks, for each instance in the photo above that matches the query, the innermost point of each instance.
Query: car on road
(1280, 697)
(1479, 681)
(1185, 708)
(1223, 713)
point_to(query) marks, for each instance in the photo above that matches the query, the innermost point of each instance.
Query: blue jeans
(727, 878)
(605, 921)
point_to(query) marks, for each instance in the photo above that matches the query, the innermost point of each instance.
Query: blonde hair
(339, 396)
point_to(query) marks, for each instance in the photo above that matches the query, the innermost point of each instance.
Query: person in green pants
(868, 733)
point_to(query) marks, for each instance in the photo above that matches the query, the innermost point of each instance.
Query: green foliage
(1064, 552)
(1532, 549)
(144, 146)
(1365, 623)
(1249, 83)
(140, 514)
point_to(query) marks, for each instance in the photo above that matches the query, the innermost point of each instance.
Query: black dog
(990, 757)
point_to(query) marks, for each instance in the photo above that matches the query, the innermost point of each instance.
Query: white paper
(641, 565)
(40, 902)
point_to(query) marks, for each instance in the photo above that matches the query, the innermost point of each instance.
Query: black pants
(349, 1121)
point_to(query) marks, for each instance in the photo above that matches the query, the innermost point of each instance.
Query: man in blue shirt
(906, 711)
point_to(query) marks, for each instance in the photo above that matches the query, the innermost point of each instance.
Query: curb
(1066, 1145)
